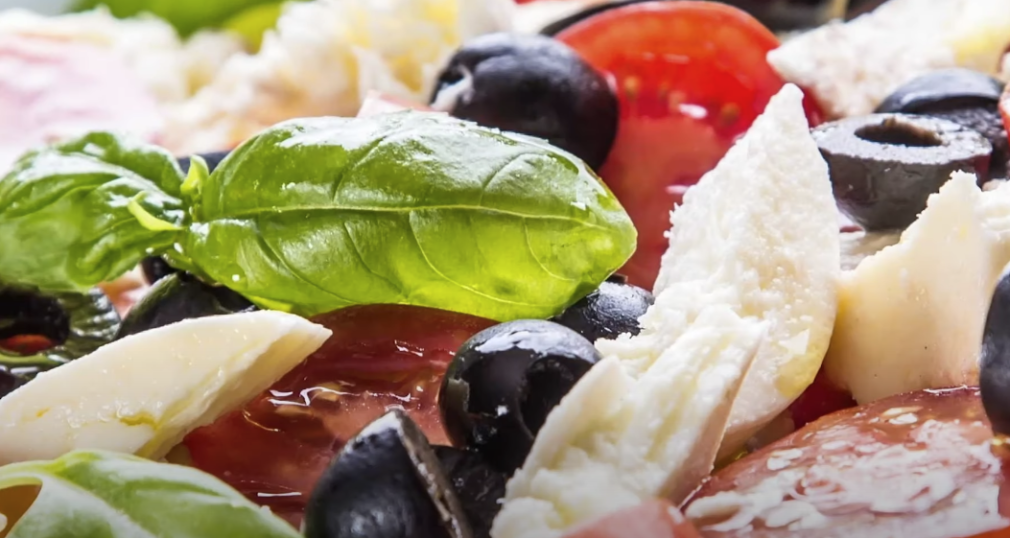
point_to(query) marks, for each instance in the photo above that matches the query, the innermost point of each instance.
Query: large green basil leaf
(84, 212)
(94, 494)
(413, 208)
(187, 16)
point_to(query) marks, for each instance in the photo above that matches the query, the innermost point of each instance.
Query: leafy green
(71, 215)
(423, 209)
(95, 494)
(187, 16)
(80, 323)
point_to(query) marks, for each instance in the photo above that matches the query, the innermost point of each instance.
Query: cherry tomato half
(691, 77)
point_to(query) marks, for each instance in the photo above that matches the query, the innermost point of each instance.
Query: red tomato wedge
(654, 519)
(691, 77)
(1004, 108)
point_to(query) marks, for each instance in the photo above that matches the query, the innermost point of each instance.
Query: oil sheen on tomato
(275, 448)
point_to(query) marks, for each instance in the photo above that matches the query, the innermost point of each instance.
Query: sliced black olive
(532, 85)
(478, 486)
(994, 360)
(212, 159)
(156, 268)
(963, 96)
(387, 482)
(40, 331)
(505, 380)
(178, 297)
(610, 311)
(884, 166)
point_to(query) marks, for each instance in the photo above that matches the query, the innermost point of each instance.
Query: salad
(497, 269)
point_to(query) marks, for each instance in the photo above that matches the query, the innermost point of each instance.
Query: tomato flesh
(274, 449)
(26, 344)
(691, 77)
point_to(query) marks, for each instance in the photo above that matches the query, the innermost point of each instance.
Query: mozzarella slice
(753, 251)
(911, 316)
(144, 393)
(852, 67)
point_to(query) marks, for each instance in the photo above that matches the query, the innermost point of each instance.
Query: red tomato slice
(1004, 108)
(654, 519)
(691, 77)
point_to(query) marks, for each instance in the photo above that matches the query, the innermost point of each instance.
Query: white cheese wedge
(142, 394)
(852, 67)
(754, 250)
(911, 316)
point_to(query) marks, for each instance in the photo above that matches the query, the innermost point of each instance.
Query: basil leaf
(84, 212)
(95, 494)
(187, 16)
(317, 214)
(79, 323)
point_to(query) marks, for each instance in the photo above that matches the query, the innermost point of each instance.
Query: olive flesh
(963, 96)
(478, 485)
(533, 85)
(178, 297)
(611, 310)
(884, 167)
(387, 482)
(504, 381)
(994, 359)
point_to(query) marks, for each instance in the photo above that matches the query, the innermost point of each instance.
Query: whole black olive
(212, 159)
(610, 311)
(963, 96)
(505, 380)
(41, 330)
(156, 268)
(387, 482)
(178, 297)
(478, 485)
(532, 85)
(884, 166)
(994, 359)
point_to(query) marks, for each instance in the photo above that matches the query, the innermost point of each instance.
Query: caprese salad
(442, 268)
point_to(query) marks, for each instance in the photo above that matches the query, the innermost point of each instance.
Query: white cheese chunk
(852, 67)
(911, 316)
(142, 394)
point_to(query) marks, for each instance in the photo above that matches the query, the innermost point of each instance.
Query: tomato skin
(653, 519)
(1004, 107)
(691, 77)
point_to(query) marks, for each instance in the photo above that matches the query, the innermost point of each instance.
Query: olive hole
(31, 322)
(897, 133)
(547, 382)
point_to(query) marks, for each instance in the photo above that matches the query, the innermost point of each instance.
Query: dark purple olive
(212, 160)
(9, 382)
(178, 297)
(610, 311)
(963, 96)
(532, 85)
(59, 327)
(884, 166)
(387, 482)
(994, 360)
(478, 485)
(503, 382)
(156, 268)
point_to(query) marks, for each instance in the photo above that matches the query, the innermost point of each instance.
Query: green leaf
(95, 494)
(79, 322)
(69, 213)
(187, 16)
(409, 208)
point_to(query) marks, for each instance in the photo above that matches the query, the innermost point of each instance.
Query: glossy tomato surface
(653, 519)
(691, 77)
(275, 448)
(914, 465)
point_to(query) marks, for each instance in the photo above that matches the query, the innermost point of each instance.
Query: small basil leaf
(410, 208)
(100, 494)
(84, 212)
(79, 323)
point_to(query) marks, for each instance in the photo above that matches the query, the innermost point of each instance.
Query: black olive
(994, 360)
(387, 482)
(212, 159)
(532, 85)
(884, 166)
(503, 382)
(156, 268)
(9, 382)
(70, 325)
(611, 310)
(963, 96)
(178, 297)
(478, 486)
